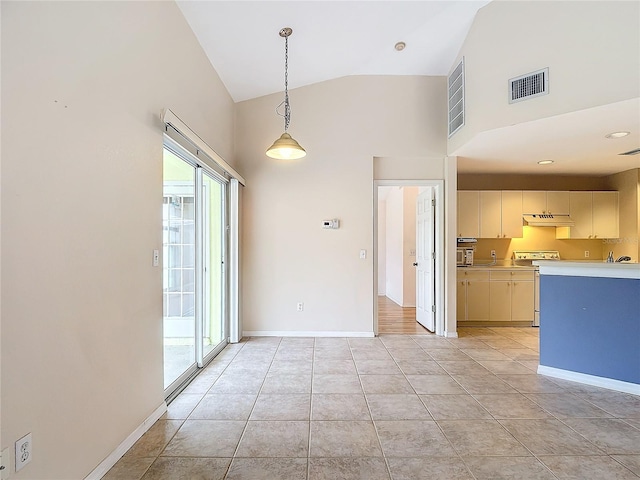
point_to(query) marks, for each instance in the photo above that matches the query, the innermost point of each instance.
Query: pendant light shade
(285, 147)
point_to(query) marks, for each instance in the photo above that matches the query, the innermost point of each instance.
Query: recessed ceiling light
(545, 162)
(616, 134)
(400, 46)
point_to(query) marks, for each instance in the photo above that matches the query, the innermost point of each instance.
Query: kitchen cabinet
(496, 294)
(468, 213)
(545, 202)
(595, 215)
(511, 208)
(472, 295)
(501, 214)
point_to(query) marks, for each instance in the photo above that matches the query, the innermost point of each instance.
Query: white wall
(382, 247)
(343, 124)
(394, 262)
(592, 50)
(83, 84)
(409, 197)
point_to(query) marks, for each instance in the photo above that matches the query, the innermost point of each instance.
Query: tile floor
(394, 407)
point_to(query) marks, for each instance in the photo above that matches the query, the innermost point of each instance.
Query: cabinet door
(511, 214)
(605, 214)
(477, 300)
(468, 214)
(580, 211)
(522, 301)
(500, 301)
(491, 214)
(534, 201)
(558, 203)
(461, 300)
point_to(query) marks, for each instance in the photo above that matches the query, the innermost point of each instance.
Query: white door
(425, 259)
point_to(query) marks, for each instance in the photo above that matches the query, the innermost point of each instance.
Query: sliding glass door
(194, 278)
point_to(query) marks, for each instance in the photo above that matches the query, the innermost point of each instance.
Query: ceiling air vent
(631, 152)
(456, 98)
(529, 86)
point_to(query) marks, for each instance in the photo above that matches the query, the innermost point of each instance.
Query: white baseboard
(451, 334)
(269, 333)
(104, 466)
(593, 380)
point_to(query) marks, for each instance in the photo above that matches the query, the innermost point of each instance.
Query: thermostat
(334, 224)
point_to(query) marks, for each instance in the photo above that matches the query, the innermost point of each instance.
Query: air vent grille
(631, 152)
(529, 86)
(456, 98)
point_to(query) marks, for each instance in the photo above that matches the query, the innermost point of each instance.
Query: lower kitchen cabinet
(495, 296)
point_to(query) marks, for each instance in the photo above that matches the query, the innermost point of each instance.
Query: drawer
(521, 275)
(473, 275)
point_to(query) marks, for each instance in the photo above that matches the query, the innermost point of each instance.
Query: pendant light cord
(287, 107)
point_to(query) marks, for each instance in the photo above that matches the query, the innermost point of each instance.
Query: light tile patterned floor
(393, 407)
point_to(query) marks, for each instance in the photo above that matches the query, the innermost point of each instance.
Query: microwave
(464, 257)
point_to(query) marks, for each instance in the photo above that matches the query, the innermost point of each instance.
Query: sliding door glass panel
(179, 250)
(214, 286)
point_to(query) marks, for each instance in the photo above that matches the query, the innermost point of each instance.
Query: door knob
(415, 264)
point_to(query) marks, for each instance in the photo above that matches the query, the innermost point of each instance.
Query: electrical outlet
(586, 254)
(24, 448)
(300, 307)
(493, 253)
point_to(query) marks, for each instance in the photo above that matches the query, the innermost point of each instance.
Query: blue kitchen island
(590, 323)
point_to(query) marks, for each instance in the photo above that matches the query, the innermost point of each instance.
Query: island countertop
(589, 269)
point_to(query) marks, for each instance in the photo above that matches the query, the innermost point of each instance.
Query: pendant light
(285, 147)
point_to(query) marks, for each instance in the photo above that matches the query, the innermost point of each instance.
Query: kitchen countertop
(498, 267)
(589, 269)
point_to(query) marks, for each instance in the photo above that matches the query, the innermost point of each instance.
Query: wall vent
(528, 86)
(456, 98)
(635, 151)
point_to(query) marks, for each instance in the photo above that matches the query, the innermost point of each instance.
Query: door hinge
(433, 255)
(433, 202)
(433, 308)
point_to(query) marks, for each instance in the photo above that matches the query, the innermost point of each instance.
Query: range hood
(548, 220)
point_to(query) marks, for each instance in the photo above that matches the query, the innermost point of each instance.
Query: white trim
(128, 442)
(234, 265)
(288, 333)
(170, 118)
(593, 380)
(589, 269)
(439, 195)
(451, 334)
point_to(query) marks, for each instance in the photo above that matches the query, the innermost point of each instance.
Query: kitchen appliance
(464, 256)
(548, 220)
(526, 258)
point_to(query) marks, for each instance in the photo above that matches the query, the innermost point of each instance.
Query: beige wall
(581, 42)
(343, 124)
(628, 185)
(469, 181)
(83, 84)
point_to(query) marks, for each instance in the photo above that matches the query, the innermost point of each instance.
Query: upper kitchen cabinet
(500, 214)
(545, 202)
(595, 215)
(468, 213)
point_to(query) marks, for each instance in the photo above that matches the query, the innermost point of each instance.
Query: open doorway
(408, 266)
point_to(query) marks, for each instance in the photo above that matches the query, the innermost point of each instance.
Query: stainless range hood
(548, 220)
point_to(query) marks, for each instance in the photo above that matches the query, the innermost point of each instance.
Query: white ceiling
(333, 39)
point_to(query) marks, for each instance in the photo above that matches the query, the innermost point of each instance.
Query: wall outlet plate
(24, 448)
(300, 307)
(586, 254)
